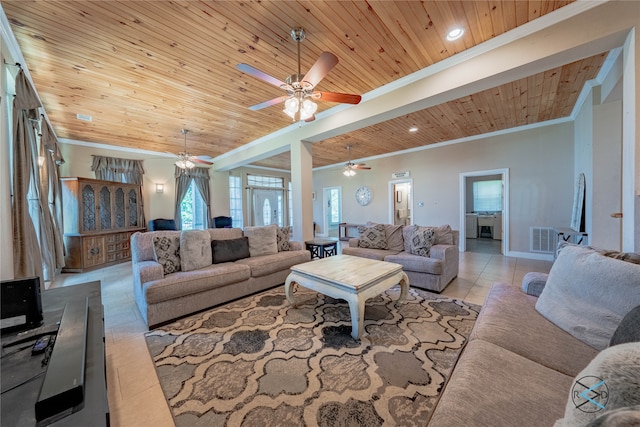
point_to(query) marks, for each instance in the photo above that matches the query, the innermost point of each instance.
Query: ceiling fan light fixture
(349, 172)
(307, 109)
(455, 34)
(185, 164)
(291, 106)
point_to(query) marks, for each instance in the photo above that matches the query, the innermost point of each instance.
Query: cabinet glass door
(133, 208)
(121, 218)
(105, 208)
(88, 208)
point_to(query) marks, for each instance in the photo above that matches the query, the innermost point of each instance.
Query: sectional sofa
(531, 359)
(176, 273)
(428, 255)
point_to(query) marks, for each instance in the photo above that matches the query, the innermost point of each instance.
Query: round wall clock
(363, 195)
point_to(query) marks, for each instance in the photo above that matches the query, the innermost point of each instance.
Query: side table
(322, 248)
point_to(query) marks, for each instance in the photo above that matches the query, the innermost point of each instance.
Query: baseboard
(530, 255)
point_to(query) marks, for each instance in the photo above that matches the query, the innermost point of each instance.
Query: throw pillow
(373, 237)
(407, 232)
(623, 256)
(262, 240)
(629, 329)
(617, 368)
(283, 237)
(229, 250)
(395, 241)
(587, 294)
(421, 241)
(195, 249)
(444, 235)
(166, 252)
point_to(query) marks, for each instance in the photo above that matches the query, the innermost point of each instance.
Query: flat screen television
(21, 304)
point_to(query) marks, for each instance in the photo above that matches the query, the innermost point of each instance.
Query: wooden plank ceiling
(143, 70)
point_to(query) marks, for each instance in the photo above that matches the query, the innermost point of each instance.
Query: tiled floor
(135, 396)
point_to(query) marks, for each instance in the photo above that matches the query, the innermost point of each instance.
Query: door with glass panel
(268, 207)
(266, 195)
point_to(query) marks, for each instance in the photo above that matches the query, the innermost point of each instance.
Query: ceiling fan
(350, 167)
(186, 160)
(300, 88)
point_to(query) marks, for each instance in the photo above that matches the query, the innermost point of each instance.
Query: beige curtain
(51, 198)
(26, 251)
(118, 170)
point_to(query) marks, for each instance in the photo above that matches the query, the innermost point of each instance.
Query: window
(487, 196)
(193, 209)
(235, 201)
(290, 201)
(334, 203)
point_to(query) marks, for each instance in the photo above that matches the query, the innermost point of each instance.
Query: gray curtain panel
(200, 176)
(118, 170)
(182, 185)
(45, 221)
(51, 195)
(26, 251)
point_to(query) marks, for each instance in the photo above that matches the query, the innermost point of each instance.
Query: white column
(302, 188)
(631, 144)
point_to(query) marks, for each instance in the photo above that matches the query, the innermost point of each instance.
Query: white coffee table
(354, 279)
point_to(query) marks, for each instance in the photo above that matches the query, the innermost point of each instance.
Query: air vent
(543, 240)
(84, 117)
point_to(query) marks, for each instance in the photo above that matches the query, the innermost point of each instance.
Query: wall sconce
(159, 188)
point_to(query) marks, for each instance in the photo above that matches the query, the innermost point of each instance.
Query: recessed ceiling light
(455, 34)
(413, 129)
(84, 117)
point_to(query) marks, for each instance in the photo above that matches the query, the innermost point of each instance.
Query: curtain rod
(17, 64)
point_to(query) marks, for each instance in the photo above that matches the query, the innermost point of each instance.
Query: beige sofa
(164, 297)
(521, 369)
(433, 272)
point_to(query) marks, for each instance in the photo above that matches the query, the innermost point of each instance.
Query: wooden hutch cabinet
(99, 219)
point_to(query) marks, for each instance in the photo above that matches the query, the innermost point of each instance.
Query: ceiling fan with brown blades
(184, 160)
(350, 168)
(300, 89)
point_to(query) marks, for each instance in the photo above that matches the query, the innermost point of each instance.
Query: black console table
(23, 374)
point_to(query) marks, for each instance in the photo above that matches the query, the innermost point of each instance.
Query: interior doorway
(478, 222)
(331, 210)
(401, 202)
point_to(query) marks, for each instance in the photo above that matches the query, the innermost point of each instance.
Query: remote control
(40, 345)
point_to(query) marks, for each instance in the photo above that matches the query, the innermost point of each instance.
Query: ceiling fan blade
(321, 68)
(345, 98)
(362, 166)
(197, 160)
(269, 103)
(248, 69)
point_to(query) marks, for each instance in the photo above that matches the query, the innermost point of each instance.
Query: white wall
(541, 174)
(6, 229)
(583, 158)
(607, 176)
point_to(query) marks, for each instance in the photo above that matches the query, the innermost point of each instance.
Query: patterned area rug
(261, 362)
